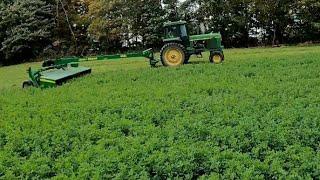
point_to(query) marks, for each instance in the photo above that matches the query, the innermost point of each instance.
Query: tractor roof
(174, 23)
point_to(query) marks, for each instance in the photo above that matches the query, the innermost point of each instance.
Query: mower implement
(56, 72)
(53, 76)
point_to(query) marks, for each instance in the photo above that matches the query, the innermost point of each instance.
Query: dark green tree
(26, 29)
(232, 18)
(146, 21)
(2, 30)
(306, 15)
(172, 10)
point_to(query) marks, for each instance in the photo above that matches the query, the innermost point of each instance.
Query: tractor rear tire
(27, 84)
(216, 57)
(173, 54)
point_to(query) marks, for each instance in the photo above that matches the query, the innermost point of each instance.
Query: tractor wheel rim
(217, 59)
(174, 56)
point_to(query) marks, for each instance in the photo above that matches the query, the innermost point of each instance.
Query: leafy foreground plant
(254, 117)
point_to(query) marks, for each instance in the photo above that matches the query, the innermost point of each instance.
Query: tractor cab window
(172, 32)
(176, 31)
(183, 31)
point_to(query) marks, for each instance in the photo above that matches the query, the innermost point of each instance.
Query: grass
(255, 116)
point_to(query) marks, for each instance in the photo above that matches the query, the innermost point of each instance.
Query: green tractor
(179, 45)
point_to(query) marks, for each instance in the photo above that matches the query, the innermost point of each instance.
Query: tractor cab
(176, 31)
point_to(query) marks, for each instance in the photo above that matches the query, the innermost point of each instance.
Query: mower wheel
(216, 57)
(173, 54)
(27, 84)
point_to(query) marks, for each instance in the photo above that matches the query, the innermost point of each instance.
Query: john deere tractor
(179, 45)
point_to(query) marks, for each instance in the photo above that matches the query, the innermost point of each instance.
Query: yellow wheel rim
(173, 57)
(217, 59)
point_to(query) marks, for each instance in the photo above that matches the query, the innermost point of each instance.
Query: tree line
(54, 28)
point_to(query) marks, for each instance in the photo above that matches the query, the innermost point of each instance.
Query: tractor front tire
(27, 84)
(216, 57)
(173, 54)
